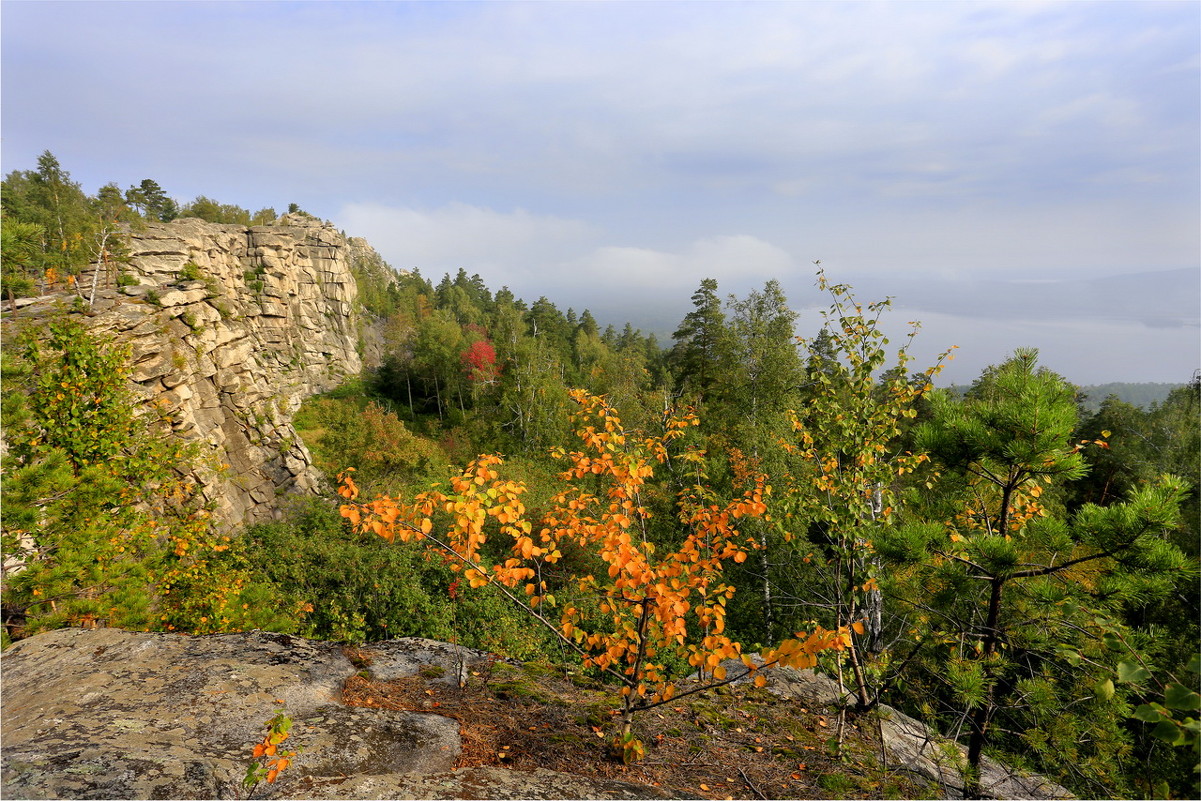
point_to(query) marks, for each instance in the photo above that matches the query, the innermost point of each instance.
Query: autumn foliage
(269, 760)
(653, 601)
(479, 361)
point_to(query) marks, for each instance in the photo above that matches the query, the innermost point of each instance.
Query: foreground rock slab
(113, 714)
(106, 713)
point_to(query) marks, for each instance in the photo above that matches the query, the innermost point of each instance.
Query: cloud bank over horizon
(1001, 168)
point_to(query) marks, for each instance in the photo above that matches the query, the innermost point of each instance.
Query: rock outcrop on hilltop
(105, 713)
(230, 328)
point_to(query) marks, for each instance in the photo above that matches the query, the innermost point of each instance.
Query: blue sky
(1013, 174)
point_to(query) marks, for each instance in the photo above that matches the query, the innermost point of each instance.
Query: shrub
(191, 272)
(350, 431)
(361, 589)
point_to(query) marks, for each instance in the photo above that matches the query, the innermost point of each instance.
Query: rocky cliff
(230, 328)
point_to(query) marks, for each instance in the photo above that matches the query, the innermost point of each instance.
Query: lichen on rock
(105, 713)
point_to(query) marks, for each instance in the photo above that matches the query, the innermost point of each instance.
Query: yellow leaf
(858, 627)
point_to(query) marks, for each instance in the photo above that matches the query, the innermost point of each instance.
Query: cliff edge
(230, 328)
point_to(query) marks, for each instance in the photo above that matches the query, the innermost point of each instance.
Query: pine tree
(701, 342)
(1022, 595)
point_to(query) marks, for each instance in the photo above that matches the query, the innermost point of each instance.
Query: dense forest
(1016, 569)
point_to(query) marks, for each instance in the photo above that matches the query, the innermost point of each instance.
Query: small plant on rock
(268, 760)
(191, 272)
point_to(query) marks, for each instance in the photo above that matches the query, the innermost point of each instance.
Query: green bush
(191, 272)
(351, 431)
(359, 588)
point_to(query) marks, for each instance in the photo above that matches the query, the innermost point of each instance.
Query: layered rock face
(230, 328)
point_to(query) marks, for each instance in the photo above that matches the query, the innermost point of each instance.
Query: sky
(1011, 174)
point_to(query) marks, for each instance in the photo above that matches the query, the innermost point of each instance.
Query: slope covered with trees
(1020, 573)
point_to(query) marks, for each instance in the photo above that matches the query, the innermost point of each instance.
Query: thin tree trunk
(860, 678)
(982, 716)
(101, 263)
(873, 601)
(765, 563)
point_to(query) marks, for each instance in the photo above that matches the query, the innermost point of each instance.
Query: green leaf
(1070, 655)
(1149, 713)
(1130, 673)
(1169, 731)
(1104, 689)
(1178, 696)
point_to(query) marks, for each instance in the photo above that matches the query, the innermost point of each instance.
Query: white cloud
(564, 259)
(503, 246)
(733, 260)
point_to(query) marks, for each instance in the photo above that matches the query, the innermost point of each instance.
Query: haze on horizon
(1012, 173)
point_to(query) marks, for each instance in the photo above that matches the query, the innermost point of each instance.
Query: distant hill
(1091, 396)
(1141, 395)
